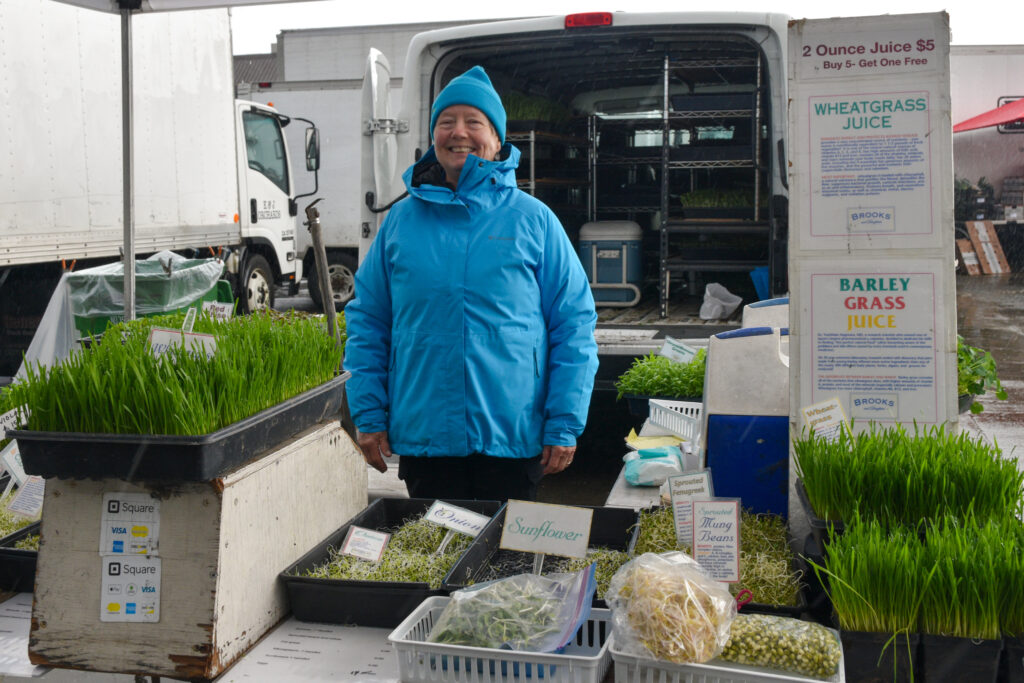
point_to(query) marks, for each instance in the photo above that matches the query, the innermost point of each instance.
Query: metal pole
(128, 190)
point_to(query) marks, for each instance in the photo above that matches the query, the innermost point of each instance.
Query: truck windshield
(264, 147)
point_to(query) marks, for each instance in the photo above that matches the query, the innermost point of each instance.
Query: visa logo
(149, 589)
(118, 530)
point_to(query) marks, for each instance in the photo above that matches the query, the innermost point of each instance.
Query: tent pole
(128, 191)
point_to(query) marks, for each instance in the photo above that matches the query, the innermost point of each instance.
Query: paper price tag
(549, 529)
(683, 489)
(218, 310)
(8, 421)
(130, 589)
(28, 502)
(716, 537)
(826, 419)
(10, 457)
(366, 544)
(162, 340)
(455, 518)
(677, 350)
(130, 524)
(190, 320)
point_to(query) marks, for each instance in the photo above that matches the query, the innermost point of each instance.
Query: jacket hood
(425, 178)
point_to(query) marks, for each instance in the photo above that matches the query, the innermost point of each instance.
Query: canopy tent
(1008, 113)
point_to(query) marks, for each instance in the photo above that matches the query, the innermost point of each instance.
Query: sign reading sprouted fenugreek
(549, 529)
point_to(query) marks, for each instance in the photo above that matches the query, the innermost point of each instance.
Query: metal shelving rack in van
(744, 108)
(532, 139)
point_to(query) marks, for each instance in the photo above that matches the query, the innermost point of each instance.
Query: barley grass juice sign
(872, 289)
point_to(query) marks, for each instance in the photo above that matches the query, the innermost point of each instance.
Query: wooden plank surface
(967, 256)
(987, 246)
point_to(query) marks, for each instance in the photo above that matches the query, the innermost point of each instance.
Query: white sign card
(683, 489)
(8, 420)
(218, 310)
(130, 524)
(28, 502)
(130, 588)
(456, 518)
(190, 320)
(826, 419)
(366, 544)
(716, 537)
(162, 339)
(548, 529)
(10, 457)
(677, 350)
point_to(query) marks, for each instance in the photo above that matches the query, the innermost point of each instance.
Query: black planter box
(1011, 661)
(819, 527)
(17, 566)
(365, 603)
(946, 658)
(868, 658)
(166, 458)
(611, 527)
(815, 588)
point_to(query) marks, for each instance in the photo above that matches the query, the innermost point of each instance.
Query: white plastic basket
(679, 417)
(585, 659)
(632, 669)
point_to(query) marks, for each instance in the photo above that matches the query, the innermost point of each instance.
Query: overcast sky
(255, 29)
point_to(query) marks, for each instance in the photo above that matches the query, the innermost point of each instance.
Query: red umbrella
(1009, 112)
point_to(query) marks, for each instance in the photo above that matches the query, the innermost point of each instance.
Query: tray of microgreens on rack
(149, 402)
(918, 541)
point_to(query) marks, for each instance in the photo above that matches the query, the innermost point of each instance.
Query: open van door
(379, 149)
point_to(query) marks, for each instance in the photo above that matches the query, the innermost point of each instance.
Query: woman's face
(461, 130)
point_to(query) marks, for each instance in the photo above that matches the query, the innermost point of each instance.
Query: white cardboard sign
(218, 310)
(826, 419)
(366, 544)
(130, 524)
(10, 457)
(683, 489)
(544, 528)
(677, 350)
(8, 420)
(162, 339)
(716, 537)
(130, 589)
(28, 502)
(456, 518)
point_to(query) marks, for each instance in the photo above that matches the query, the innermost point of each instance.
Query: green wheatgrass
(765, 559)
(411, 556)
(655, 375)
(117, 386)
(899, 477)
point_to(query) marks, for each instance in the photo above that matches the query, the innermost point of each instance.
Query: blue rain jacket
(472, 329)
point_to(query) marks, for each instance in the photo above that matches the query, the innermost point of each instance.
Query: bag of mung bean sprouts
(665, 606)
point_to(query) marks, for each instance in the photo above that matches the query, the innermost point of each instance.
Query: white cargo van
(673, 121)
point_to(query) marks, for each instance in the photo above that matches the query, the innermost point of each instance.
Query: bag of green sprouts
(667, 607)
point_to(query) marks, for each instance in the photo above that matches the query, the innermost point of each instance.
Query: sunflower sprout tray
(149, 457)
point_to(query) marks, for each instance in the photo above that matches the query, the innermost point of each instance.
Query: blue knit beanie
(473, 88)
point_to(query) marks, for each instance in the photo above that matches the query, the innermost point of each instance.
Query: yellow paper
(638, 442)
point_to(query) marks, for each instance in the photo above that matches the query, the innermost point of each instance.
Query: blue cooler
(745, 431)
(610, 253)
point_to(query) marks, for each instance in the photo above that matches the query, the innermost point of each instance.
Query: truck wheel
(341, 269)
(257, 285)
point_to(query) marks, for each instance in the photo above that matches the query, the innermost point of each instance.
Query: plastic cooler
(767, 313)
(610, 253)
(745, 430)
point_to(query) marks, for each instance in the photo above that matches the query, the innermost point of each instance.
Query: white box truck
(211, 174)
(676, 121)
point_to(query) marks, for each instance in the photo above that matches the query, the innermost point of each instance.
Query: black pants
(474, 477)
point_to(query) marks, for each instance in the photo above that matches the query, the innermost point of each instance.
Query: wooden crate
(968, 258)
(987, 247)
(222, 544)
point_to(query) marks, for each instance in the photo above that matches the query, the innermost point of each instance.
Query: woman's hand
(375, 447)
(556, 458)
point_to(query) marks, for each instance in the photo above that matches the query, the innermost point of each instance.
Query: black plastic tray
(365, 603)
(819, 526)
(611, 527)
(135, 457)
(17, 566)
